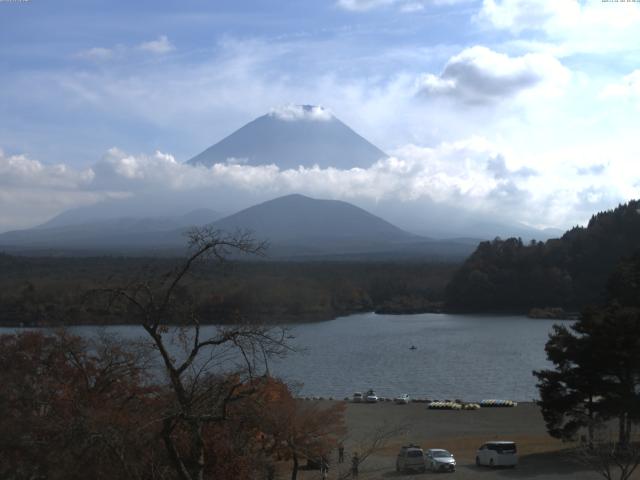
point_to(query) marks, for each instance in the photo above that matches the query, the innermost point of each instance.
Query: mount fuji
(289, 137)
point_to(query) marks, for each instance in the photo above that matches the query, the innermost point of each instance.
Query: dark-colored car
(410, 457)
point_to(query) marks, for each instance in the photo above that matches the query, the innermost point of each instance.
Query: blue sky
(522, 108)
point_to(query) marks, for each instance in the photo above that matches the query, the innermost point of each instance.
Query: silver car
(439, 460)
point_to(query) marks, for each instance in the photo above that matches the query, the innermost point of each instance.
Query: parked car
(357, 397)
(439, 460)
(410, 457)
(371, 397)
(497, 454)
(402, 399)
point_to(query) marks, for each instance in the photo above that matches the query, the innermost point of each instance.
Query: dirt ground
(460, 432)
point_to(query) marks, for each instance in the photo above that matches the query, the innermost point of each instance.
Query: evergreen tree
(597, 364)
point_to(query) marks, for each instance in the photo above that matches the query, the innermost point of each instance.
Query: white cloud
(480, 75)
(553, 16)
(32, 192)
(471, 170)
(18, 170)
(405, 6)
(629, 87)
(97, 54)
(364, 5)
(519, 15)
(159, 46)
(570, 26)
(302, 112)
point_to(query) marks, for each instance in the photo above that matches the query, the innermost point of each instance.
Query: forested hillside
(570, 272)
(56, 291)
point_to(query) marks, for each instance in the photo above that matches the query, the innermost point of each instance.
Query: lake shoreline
(307, 318)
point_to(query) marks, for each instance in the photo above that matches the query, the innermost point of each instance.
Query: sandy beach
(460, 432)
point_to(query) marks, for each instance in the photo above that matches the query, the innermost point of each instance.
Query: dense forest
(570, 272)
(57, 291)
(501, 275)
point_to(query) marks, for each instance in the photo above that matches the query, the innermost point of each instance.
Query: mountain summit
(293, 136)
(300, 219)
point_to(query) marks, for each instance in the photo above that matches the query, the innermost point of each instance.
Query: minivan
(497, 454)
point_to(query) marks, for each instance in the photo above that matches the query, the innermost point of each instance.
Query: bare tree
(372, 443)
(612, 460)
(215, 369)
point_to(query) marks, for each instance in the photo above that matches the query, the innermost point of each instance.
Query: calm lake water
(457, 356)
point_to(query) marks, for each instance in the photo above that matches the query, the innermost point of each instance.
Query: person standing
(355, 462)
(340, 453)
(324, 467)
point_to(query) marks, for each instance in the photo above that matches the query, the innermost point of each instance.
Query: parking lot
(460, 432)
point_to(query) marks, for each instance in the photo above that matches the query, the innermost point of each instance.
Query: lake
(470, 357)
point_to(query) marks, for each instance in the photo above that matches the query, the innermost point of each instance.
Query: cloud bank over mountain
(473, 174)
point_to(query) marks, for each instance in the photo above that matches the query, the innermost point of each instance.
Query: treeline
(56, 291)
(570, 272)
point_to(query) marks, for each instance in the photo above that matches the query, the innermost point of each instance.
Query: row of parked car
(371, 397)
(491, 454)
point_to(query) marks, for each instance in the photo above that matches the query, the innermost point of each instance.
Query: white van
(497, 454)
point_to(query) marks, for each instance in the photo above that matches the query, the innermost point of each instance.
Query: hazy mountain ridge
(109, 234)
(294, 226)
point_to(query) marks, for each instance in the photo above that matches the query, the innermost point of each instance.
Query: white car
(439, 460)
(497, 454)
(402, 399)
(357, 397)
(371, 397)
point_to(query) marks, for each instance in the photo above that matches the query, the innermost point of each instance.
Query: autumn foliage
(73, 408)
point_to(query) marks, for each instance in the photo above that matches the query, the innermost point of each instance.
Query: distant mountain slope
(297, 218)
(161, 206)
(569, 272)
(315, 137)
(296, 227)
(109, 234)
(299, 227)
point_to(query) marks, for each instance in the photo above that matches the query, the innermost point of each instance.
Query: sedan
(439, 460)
